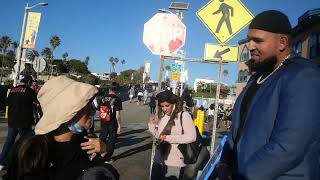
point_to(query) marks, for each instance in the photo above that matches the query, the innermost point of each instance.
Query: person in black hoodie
(152, 104)
(20, 101)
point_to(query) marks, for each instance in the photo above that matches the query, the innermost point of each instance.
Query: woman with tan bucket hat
(67, 106)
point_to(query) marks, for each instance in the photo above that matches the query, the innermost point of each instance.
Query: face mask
(75, 128)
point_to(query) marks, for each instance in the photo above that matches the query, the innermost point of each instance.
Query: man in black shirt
(20, 115)
(110, 119)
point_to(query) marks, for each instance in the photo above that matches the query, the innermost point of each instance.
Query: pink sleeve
(189, 135)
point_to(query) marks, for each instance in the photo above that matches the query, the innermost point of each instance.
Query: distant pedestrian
(110, 119)
(152, 104)
(228, 117)
(20, 115)
(145, 96)
(140, 96)
(131, 93)
(210, 116)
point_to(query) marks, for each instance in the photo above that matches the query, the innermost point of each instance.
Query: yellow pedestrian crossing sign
(225, 18)
(227, 53)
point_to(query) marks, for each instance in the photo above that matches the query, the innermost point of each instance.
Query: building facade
(305, 42)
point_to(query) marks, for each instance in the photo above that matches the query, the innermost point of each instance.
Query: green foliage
(28, 70)
(89, 79)
(8, 82)
(125, 77)
(65, 56)
(55, 42)
(47, 53)
(5, 42)
(204, 94)
(86, 61)
(61, 66)
(8, 60)
(86, 78)
(76, 66)
(113, 75)
(209, 90)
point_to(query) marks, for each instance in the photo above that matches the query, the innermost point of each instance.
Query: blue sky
(104, 28)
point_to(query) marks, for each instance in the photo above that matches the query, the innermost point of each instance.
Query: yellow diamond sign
(225, 18)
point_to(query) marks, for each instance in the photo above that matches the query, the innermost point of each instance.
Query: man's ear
(283, 42)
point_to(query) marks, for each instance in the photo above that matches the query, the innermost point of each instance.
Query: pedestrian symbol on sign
(224, 18)
(226, 11)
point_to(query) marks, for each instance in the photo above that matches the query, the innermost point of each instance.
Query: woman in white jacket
(168, 160)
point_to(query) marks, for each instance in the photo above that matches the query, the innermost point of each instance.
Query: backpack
(106, 109)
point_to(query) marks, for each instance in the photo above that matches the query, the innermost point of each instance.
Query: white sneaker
(1, 167)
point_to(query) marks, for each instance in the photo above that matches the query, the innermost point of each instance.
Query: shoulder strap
(181, 122)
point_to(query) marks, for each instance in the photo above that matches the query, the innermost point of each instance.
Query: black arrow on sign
(218, 53)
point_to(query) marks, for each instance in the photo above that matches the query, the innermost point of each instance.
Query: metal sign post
(216, 108)
(153, 150)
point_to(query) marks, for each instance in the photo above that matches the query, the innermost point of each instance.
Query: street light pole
(20, 48)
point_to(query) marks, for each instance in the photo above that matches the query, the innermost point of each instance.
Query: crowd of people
(58, 145)
(273, 135)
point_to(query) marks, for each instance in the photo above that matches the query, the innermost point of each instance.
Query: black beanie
(271, 21)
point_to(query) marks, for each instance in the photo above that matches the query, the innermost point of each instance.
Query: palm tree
(4, 42)
(123, 62)
(113, 62)
(65, 56)
(32, 55)
(86, 61)
(116, 60)
(14, 45)
(54, 42)
(47, 53)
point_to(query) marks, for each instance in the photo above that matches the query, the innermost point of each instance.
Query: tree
(116, 60)
(47, 53)
(11, 56)
(61, 66)
(76, 66)
(54, 42)
(123, 62)
(86, 61)
(125, 76)
(14, 46)
(32, 55)
(4, 43)
(65, 56)
(113, 62)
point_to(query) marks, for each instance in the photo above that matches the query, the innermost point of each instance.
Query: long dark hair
(29, 157)
(169, 97)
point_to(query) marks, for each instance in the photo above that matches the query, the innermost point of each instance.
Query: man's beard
(261, 67)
